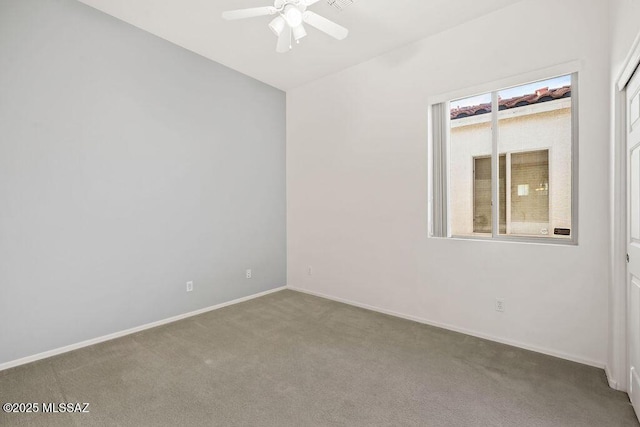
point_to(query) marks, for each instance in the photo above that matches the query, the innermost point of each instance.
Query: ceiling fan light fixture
(287, 24)
(293, 16)
(277, 25)
(299, 32)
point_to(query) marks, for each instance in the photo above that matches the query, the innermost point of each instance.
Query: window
(503, 163)
(482, 192)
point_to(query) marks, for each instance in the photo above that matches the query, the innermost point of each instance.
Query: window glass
(470, 165)
(534, 132)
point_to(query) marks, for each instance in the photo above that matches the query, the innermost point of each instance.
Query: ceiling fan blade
(310, 2)
(324, 25)
(249, 13)
(284, 40)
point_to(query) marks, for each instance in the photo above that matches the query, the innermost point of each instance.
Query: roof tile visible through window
(541, 95)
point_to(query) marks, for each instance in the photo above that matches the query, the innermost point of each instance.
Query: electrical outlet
(189, 286)
(499, 304)
(248, 273)
(309, 270)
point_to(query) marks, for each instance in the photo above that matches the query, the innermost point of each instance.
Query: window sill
(508, 239)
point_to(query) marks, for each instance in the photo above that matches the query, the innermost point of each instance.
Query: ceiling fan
(292, 14)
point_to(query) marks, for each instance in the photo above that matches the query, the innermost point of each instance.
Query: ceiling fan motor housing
(280, 4)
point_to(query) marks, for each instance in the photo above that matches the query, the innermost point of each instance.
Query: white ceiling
(248, 46)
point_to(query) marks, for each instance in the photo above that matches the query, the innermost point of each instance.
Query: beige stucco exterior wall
(534, 127)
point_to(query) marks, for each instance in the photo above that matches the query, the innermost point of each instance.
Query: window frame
(438, 148)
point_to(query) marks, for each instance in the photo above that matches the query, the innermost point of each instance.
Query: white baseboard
(489, 337)
(612, 383)
(130, 331)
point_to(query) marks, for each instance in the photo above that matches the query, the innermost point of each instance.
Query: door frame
(617, 367)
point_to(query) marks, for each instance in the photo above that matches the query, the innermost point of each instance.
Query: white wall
(357, 186)
(128, 166)
(624, 28)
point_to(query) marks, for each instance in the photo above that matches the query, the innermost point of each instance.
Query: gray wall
(128, 166)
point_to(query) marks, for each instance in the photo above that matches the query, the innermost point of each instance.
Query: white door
(633, 236)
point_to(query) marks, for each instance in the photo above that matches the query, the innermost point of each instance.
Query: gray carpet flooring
(290, 359)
